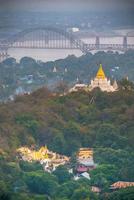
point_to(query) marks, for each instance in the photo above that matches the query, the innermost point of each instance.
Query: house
(95, 189)
(121, 184)
(85, 160)
(81, 168)
(82, 175)
(78, 87)
(85, 175)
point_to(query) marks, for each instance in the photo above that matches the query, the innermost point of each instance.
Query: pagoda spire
(115, 86)
(100, 74)
(54, 69)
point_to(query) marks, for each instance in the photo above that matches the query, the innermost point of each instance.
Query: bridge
(54, 38)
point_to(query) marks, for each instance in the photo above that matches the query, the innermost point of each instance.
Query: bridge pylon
(125, 42)
(3, 55)
(97, 42)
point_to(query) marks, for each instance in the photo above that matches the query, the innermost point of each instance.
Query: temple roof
(100, 74)
(122, 184)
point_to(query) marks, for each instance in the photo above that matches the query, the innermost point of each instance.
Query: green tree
(81, 194)
(125, 194)
(62, 174)
(41, 183)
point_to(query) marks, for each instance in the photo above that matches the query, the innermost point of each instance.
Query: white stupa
(54, 69)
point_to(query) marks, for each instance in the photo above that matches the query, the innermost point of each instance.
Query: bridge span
(54, 38)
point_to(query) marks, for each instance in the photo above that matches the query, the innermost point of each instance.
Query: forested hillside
(99, 120)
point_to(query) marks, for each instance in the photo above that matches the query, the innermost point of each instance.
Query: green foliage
(104, 175)
(75, 189)
(4, 193)
(62, 174)
(4, 196)
(28, 121)
(42, 183)
(66, 190)
(27, 196)
(27, 167)
(126, 84)
(123, 194)
(108, 136)
(58, 142)
(81, 194)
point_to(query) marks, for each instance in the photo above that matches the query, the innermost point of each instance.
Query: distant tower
(97, 42)
(77, 80)
(115, 86)
(125, 42)
(127, 78)
(54, 70)
(66, 70)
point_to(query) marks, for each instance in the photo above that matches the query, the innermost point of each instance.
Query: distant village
(51, 160)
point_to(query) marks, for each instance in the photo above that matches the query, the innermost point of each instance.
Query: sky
(66, 5)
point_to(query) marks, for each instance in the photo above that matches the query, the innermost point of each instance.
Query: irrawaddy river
(55, 54)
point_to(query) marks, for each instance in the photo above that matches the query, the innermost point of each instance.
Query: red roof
(82, 169)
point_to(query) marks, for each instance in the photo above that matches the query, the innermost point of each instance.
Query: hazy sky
(61, 5)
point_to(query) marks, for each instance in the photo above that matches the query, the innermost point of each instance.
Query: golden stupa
(100, 74)
(102, 82)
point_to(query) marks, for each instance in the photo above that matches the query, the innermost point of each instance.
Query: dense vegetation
(66, 123)
(28, 74)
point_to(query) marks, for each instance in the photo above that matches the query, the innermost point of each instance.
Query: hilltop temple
(100, 81)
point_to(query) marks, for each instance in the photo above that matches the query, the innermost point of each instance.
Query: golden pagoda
(102, 82)
(43, 149)
(100, 74)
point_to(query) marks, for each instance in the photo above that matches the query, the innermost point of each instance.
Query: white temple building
(78, 87)
(54, 69)
(100, 81)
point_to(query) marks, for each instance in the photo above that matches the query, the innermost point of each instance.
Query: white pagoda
(102, 82)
